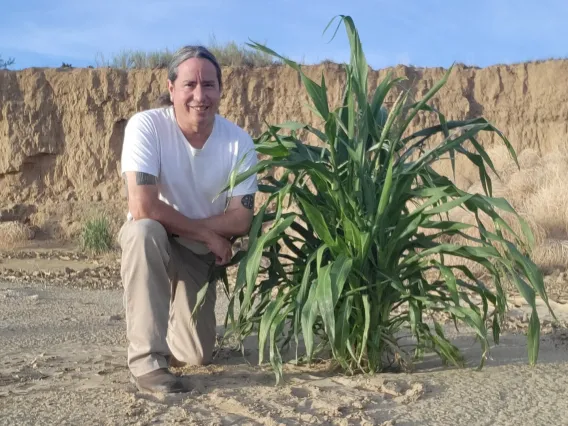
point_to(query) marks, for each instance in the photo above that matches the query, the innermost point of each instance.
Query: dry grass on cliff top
(229, 54)
(537, 191)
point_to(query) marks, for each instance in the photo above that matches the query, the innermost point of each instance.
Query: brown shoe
(161, 380)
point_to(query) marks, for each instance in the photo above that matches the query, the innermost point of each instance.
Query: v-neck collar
(194, 152)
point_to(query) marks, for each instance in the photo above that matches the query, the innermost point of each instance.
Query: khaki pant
(161, 279)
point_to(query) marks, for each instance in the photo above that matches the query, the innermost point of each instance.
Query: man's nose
(198, 93)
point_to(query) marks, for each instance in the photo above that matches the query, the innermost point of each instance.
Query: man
(176, 160)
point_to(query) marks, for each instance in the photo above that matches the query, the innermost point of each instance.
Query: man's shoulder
(155, 116)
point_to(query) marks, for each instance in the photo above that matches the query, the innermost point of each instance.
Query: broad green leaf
(291, 125)
(381, 92)
(255, 254)
(426, 98)
(270, 313)
(309, 314)
(366, 325)
(338, 273)
(496, 329)
(385, 193)
(275, 358)
(450, 280)
(199, 301)
(317, 221)
(342, 324)
(533, 338)
(324, 297)
(447, 206)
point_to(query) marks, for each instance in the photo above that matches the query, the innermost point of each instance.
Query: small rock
(34, 297)
(411, 395)
(115, 317)
(358, 405)
(392, 388)
(308, 418)
(517, 314)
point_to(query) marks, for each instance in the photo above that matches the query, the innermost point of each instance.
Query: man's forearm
(230, 224)
(177, 223)
(233, 223)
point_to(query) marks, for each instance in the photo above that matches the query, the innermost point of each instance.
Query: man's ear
(171, 90)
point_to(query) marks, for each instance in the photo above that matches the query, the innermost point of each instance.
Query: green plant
(358, 238)
(96, 236)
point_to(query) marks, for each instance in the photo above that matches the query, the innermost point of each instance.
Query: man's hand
(220, 247)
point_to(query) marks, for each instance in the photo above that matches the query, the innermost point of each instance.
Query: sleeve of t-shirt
(140, 146)
(247, 158)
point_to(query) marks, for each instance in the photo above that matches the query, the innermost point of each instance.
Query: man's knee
(143, 230)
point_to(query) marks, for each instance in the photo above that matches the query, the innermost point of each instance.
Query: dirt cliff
(61, 129)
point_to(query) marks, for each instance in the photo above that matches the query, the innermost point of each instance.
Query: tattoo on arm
(248, 201)
(145, 179)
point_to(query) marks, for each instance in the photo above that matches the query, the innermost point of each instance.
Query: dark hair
(182, 55)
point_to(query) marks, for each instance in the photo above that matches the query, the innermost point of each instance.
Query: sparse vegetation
(14, 233)
(230, 54)
(4, 64)
(366, 254)
(96, 236)
(537, 192)
(135, 59)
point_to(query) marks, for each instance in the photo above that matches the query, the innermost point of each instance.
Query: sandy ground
(63, 362)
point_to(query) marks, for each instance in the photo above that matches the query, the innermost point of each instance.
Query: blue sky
(412, 32)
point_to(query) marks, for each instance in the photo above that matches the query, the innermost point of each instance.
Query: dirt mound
(61, 130)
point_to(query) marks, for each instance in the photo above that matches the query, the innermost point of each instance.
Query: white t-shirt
(190, 180)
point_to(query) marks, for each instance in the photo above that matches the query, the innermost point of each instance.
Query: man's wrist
(203, 234)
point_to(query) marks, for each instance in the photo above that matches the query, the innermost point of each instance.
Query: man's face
(196, 93)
